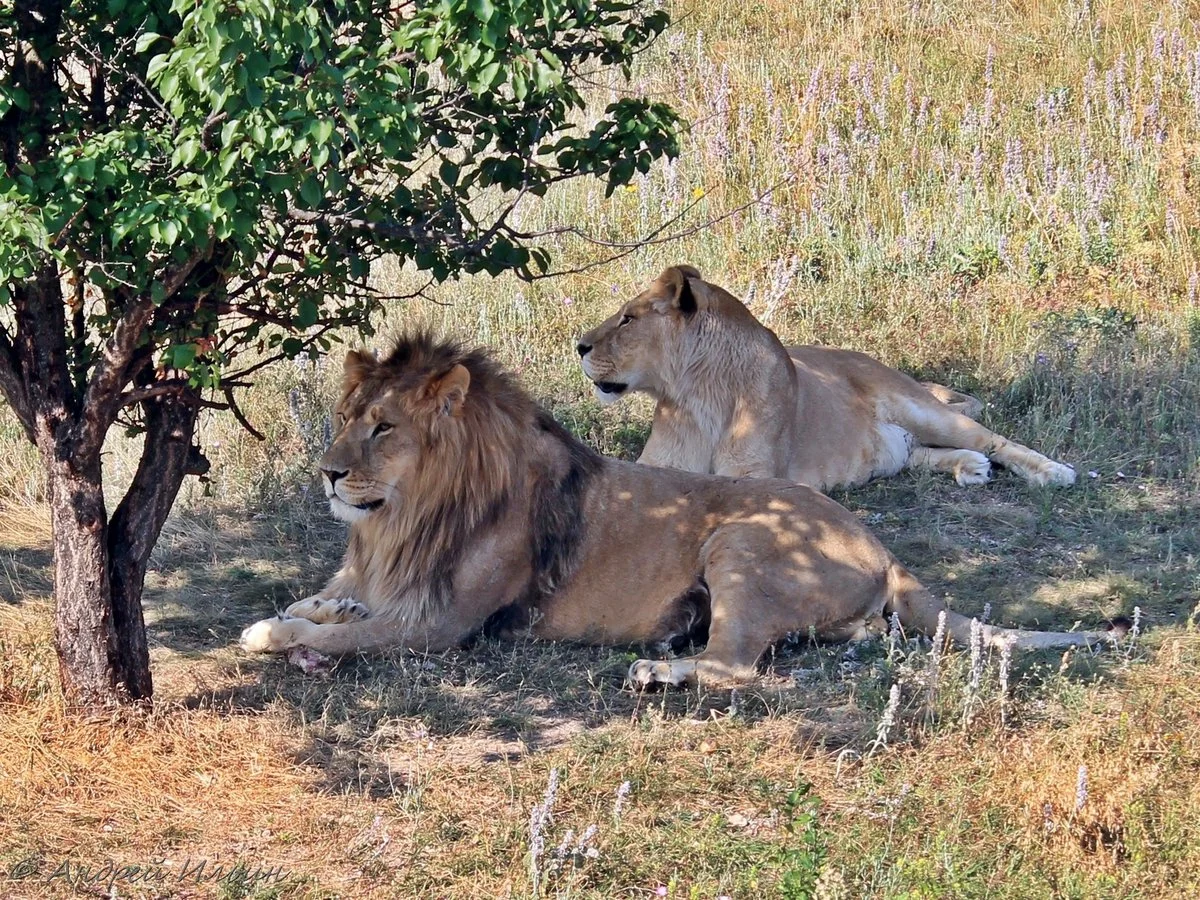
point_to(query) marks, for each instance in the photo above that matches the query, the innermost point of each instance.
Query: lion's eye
(625, 320)
(380, 429)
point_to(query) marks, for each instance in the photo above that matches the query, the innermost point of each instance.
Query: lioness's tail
(919, 610)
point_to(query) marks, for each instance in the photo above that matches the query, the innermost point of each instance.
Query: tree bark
(100, 565)
(85, 636)
(167, 457)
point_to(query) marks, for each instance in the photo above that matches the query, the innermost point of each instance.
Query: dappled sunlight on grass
(997, 197)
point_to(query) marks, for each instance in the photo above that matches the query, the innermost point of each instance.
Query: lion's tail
(919, 610)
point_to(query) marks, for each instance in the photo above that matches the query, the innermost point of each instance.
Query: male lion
(732, 400)
(471, 509)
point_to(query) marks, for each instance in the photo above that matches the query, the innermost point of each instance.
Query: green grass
(1030, 236)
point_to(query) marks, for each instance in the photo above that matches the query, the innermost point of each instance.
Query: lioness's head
(408, 428)
(632, 349)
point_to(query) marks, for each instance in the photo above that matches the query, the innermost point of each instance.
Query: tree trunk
(84, 632)
(100, 566)
(167, 457)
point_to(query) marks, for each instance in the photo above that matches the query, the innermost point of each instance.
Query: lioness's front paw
(328, 611)
(1053, 474)
(267, 636)
(971, 468)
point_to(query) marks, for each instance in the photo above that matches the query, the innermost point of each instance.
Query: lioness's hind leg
(328, 611)
(937, 426)
(959, 402)
(967, 466)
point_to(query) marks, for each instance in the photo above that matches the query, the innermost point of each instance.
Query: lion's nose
(583, 349)
(333, 475)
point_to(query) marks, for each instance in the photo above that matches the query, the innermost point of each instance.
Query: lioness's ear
(358, 365)
(677, 280)
(449, 392)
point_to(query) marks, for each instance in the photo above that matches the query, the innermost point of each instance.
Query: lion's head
(636, 347)
(427, 448)
(427, 422)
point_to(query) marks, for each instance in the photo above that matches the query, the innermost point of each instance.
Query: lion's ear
(356, 368)
(449, 392)
(677, 280)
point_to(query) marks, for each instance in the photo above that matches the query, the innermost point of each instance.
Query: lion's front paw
(1052, 474)
(267, 636)
(328, 611)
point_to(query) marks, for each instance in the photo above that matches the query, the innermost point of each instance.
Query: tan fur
(732, 400)
(469, 506)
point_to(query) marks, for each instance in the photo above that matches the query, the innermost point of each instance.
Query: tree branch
(419, 234)
(654, 237)
(626, 248)
(239, 377)
(40, 346)
(159, 389)
(36, 48)
(113, 370)
(13, 385)
(241, 417)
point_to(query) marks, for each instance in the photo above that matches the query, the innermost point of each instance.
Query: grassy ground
(1000, 196)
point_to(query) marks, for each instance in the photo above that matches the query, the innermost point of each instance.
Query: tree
(191, 190)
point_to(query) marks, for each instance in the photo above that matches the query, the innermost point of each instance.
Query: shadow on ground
(1041, 558)
(1038, 558)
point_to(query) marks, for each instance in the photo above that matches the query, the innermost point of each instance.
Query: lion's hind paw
(646, 672)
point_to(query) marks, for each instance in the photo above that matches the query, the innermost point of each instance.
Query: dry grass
(408, 776)
(1028, 235)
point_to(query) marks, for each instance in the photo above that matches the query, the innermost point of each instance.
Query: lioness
(732, 400)
(471, 509)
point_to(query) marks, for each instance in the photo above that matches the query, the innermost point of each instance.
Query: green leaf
(181, 355)
(321, 130)
(483, 9)
(156, 65)
(169, 86)
(306, 313)
(487, 78)
(145, 40)
(311, 192)
(185, 153)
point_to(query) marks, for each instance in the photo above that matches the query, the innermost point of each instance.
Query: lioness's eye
(381, 428)
(625, 320)
(341, 421)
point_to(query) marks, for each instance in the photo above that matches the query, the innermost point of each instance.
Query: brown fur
(470, 506)
(417, 542)
(732, 400)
